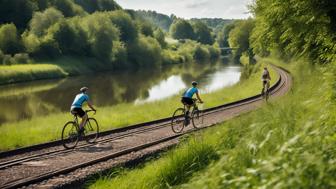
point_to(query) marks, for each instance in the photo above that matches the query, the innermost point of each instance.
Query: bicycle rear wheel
(70, 135)
(197, 118)
(178, 120)
(91, 130)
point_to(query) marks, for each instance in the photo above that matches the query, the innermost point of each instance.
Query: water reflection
(27, 100)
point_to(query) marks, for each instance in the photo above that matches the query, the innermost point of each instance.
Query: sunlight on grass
(288, 144)
(43, 129)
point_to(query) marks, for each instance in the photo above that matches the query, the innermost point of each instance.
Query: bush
(201, 53)
(171, 57)
(1, 57)
(21, 58)
(9, 40)
(145, 52)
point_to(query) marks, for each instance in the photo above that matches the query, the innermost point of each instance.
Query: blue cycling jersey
(79, 100)
(190, 92)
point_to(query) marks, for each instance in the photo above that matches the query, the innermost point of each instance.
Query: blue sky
(192, 8)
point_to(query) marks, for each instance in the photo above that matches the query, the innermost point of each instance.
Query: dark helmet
(194, 83)
(83, 89)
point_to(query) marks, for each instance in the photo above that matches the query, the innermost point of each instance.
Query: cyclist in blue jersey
(76, 107)
(187, 99)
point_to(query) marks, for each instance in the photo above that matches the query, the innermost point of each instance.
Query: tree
(9, 40)
(223, 35)
(160, 37)
(18, 12)
(41, 21)
(239, 38)
(182, 29)
(68, 8)
(98, 5)
(202, 33)
(127, 27)
(310, 33)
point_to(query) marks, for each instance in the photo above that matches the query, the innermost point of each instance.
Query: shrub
(21, 58)
(201, 53)
(9, 40)
(145, 52)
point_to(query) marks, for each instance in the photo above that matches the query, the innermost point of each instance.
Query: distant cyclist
(76, 107)
(187, 99)
(265, 78)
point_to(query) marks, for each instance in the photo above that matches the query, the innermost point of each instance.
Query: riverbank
(53, 69)
(47, 128)
(287, 144)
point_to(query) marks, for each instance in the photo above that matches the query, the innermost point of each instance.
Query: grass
(48, 128)
(50, 69)
(28, 72)
(288, 144)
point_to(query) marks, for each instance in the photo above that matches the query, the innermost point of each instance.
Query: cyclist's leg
(84, 117)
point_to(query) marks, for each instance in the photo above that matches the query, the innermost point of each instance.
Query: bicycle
(180, 119)
(71, 134)
(265, 90)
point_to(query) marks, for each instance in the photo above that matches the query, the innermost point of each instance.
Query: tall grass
(43, 129)
(29, 72)
(288, 144)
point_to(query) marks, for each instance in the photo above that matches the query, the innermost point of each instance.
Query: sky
(228, 9)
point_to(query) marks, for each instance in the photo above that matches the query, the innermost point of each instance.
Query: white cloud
(192, 8)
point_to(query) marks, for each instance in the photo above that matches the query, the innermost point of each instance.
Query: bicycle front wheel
(178, 120)
(70, 135)
(197, 118)
(91, 130)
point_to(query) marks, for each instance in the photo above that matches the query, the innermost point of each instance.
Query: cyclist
(76, 107)
(265, 78)
(188, 101)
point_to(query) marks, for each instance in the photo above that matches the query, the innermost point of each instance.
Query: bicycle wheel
(178, 120)
(197, 118)
(70, 135)
(91, 130)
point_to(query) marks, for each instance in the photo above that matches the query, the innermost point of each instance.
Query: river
(40, 98)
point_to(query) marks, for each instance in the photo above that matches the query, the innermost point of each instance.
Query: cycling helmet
(83, 89)
(194, 83)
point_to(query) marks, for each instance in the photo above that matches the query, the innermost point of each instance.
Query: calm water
(26, 100)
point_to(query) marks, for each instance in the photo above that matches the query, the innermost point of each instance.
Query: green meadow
(288, 143)
(48, 128)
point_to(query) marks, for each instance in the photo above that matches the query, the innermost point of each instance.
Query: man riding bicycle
(187, 99)
(76, 107)
(265, 78)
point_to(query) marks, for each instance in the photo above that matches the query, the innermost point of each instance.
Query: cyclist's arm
(199, 98)
(91, 105)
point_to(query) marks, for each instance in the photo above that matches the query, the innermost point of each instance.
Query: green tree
(223, 35)
(146, 28)
(68, 8)
(126, 25)
(9, 40)
(203, 34)
(98, 5)
(41, 21)
(182, 29)
(18, 12)
(160, 37)
(239, 38)
(309, 33)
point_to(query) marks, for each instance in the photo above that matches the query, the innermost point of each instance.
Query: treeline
(47, 29)
(303, 29)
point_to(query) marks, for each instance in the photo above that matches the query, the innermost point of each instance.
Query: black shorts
(187, 101)
(78, 111)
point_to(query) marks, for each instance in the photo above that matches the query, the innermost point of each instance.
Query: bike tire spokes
(178, 121)
(70, 135)
(197, 118)
(91, 130)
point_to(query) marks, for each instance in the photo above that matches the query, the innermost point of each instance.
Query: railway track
(34, 164)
